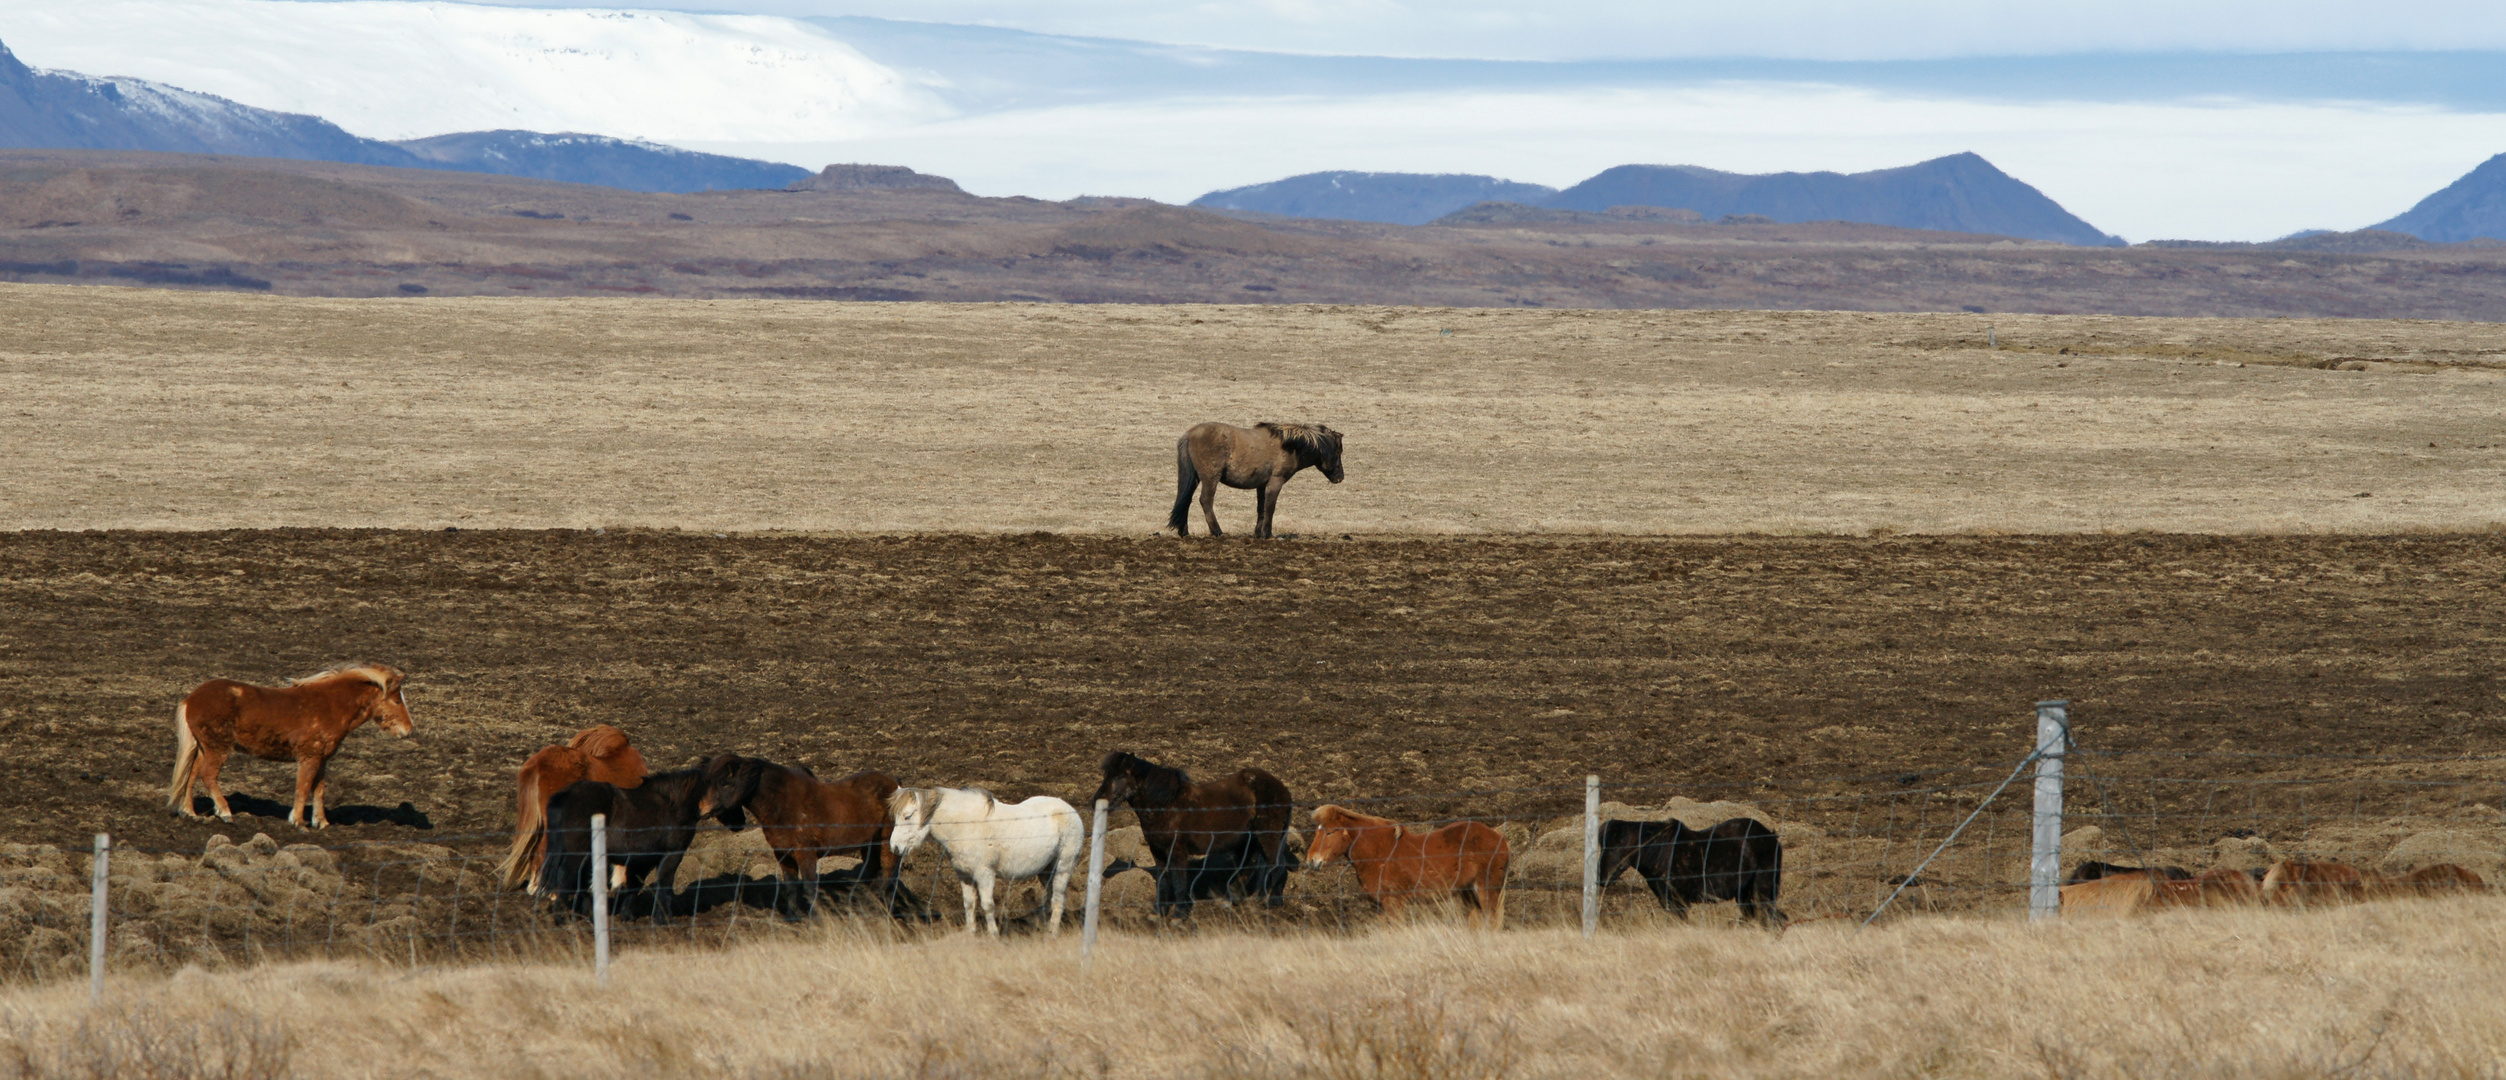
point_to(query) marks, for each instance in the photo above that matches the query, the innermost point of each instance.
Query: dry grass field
(157, 410)
(1737, 554)
(2404, 989)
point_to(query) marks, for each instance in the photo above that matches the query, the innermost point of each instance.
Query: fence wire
(1848, 843)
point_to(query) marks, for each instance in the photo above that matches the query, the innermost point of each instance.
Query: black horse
(1218, 838)
(1740, 859)
(649, 828)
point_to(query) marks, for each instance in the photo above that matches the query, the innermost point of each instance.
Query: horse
(599, 752)
(1261, 457)
(303, 722)
(806, 819)
(1466, 859)
(2300, 882)
(1239, 824)
(2091, 870)
(2435, 878)
(987, 841)
(1740, 859)
(647, 833)
(2134, 890)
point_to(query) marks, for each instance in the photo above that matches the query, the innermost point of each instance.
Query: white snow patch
(398, 70)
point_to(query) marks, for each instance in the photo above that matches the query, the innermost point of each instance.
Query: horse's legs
(984, 881)
(1266, 503)
(1209, 503)
(966, 892)
(321, 788)
(1060, 888)
(210, 762)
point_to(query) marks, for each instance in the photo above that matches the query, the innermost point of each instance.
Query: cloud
(1810, 29)
(2224, 170)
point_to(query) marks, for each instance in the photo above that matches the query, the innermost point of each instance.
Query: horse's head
(1121, 779)
(1324, 447)
(1333, 833)
(910, 809)
(391, 707)
(730, 784)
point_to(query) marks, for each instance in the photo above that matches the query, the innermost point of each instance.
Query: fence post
(1096, 886)
(2044, 871)
(1592, 855)
(96, 921)
(600, 898)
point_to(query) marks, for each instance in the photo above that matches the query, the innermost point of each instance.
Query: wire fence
(1853, 847)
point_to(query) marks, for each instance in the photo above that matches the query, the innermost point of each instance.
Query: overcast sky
(1816, 29)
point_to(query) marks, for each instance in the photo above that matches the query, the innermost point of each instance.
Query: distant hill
(2472, 207)
(1958, 193)
(54, 110)
(1388, 197)
(598, 159)
(858, 177)
(61, 110)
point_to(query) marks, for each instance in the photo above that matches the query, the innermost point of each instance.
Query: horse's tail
(1187, 477)
(186, 758)
(530, 812)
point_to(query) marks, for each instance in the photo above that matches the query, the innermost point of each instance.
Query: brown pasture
(175, 410)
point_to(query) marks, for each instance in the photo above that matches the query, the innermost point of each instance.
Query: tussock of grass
(2400, 989)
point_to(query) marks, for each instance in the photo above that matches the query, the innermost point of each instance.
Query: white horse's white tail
(186, 758)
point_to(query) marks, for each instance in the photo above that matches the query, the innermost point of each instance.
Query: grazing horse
(2091, 870)
(2133, 891)
(2300, 882)
(1740, 859)
(1261, 457)
(2435, 878)
(989, 841)
(302, 722)
(1237, 826)
(807, 819)
(599, 752)
(647, 833)
(1465, 859)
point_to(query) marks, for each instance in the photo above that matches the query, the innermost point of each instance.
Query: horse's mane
(1157, 783)
(377, 674)
(1308, 438)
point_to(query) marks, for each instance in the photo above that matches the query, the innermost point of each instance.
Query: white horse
(988, 840)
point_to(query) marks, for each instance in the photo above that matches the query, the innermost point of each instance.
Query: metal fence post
(1096, 885)
(1592, 855)
(2044, 871)
(600, 897)
(96, 920)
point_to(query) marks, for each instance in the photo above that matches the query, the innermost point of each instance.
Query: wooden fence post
(1096, 886)
(96, 919)
(600, 898)
(2044, 871)
(1592, 855)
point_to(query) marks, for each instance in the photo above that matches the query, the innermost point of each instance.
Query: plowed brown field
(1350, 668)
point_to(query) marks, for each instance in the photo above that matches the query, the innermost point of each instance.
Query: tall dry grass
(2400, 989)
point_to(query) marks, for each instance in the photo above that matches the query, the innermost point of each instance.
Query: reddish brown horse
(805, 820)
(301, 722)
(2302, 882)
(1261, 457)
(1465, 859)
(599, 752)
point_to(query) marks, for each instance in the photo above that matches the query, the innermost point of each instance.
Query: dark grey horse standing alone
(1261, 457)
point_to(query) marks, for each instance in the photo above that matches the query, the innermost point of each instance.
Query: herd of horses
(2100, 888)
(1225, 839)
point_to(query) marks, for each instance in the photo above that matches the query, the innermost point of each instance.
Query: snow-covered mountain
(397, 70)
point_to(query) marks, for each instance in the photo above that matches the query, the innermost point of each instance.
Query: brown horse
(1236, 827)
(302, 722)
(1261, 457)
(805, 820)
(1465, 859)
(598, 752)
(2300, 882)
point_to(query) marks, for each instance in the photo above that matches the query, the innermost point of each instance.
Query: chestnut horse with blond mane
(599, 752)
(302, 722)
(1465, 859)
(1261, 457)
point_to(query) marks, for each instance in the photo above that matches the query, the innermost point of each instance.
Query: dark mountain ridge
(1388, 197)
(51, 110)
(2470, 208)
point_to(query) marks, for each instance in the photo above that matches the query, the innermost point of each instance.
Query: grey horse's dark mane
(1306, 438)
